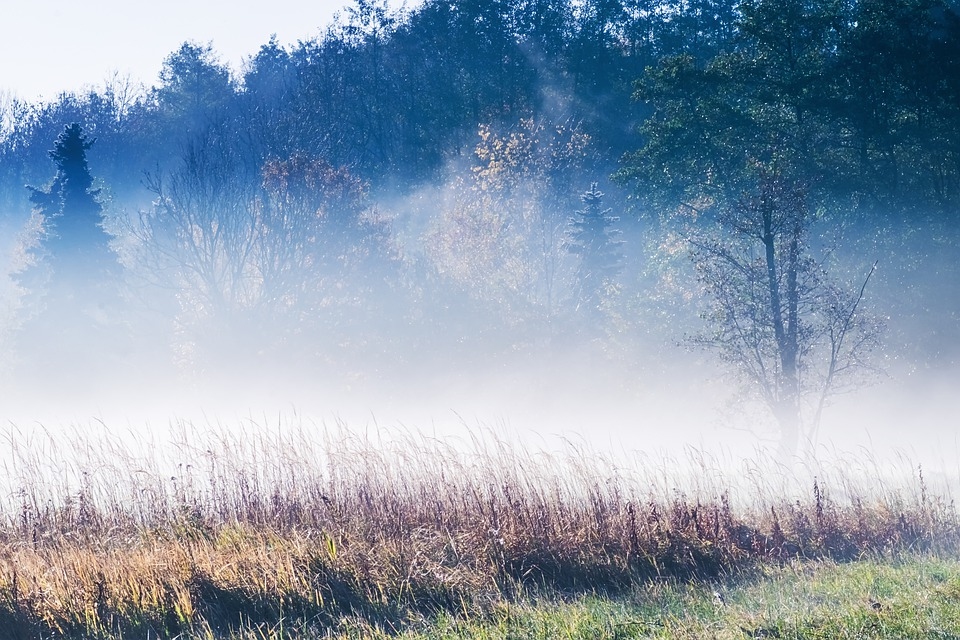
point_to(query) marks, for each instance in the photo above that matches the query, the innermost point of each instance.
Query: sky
(51, 46)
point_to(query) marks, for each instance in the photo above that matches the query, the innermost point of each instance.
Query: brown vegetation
(218, 532)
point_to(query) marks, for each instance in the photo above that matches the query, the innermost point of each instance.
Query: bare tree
(776, 317)
(252, 254)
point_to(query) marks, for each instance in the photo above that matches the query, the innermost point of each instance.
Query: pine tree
(593, 238)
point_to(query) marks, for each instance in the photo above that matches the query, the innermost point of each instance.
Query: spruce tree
(72, 286)
(594, 240)
(74, 243)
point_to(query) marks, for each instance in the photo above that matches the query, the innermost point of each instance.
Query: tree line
(867, 92)
(466, 167)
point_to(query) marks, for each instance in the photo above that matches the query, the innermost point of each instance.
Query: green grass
(915, 597)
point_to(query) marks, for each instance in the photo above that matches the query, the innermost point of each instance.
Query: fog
(449, 223)
(640, 390)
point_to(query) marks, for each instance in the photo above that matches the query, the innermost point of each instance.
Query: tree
(713, 118)
(593, 240)
(898, 94)
(699, 28)
(254, 258)
(608, 46)
(744, 145)
(501, 238)
(324, 244)
(795, 336)
(267, 111)
(196, 94)
(75, 241)
(74, 275)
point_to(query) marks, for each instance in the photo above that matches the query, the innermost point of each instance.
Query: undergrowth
(218, 534)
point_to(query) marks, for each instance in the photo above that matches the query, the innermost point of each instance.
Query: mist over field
(592, 318)
(639, 226)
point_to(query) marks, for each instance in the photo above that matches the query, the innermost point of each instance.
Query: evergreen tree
(75, 244)
(72, 283)
(594, 240)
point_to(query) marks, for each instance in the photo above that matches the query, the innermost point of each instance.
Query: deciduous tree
(793, 334)
(501, 236)
(255, 258)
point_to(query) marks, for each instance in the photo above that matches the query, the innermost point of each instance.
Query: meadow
(304, 531)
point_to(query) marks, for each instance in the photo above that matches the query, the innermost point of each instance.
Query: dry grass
(215, 531)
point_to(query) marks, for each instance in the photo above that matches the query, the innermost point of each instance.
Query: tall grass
(215, 529)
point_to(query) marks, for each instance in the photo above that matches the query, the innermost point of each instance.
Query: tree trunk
(787, 392)
(787, 414)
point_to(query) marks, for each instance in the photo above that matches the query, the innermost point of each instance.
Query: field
(296, 532)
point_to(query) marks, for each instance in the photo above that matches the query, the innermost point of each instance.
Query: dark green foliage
(75, 243)
(861, 97)
(898, 89)
(195, 91)
(863, 93)
(752, 140)
(72, 285)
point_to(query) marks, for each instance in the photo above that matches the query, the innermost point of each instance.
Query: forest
(479, 183)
